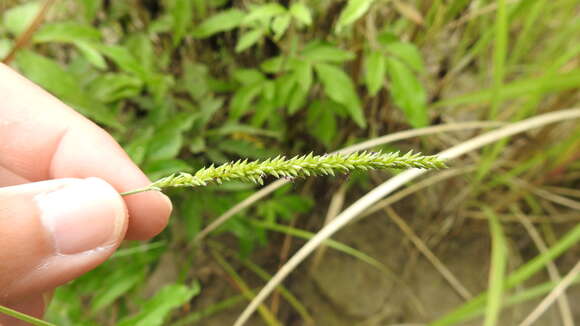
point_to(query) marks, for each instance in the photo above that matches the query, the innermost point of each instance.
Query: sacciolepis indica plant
(298, 166)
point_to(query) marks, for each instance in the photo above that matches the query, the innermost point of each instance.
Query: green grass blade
(467, 310)
(499, 255)
(24, 317)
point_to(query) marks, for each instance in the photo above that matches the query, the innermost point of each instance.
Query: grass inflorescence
(295, 167)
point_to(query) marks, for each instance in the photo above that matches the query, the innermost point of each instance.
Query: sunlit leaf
(224, 21)
(264, 12)
(321, 52)
(339, 87)
(18, 18)
(408, 53)
(353, 11)
(182, 13)
(301, 13)
(248, 39)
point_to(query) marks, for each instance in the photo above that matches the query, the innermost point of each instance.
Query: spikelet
(295, 167)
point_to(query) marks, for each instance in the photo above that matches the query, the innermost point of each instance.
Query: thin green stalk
(499, 254)
(24, 317)
(295, 167)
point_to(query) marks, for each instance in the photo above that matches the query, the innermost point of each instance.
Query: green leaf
(124, 59)
(111, 87)
(299, 11)
(159, 169)
(375, 69)
(248, 76)
(407, 92)
(50, 75)
(247, 149)
(499, 258)
(408, 53)
(155, 311)
(274, 65)
(5, 46)
(119, 283)
(297, 99)
(339, 87)
(229, 128)
(321, 122)
(91, 54)
(321, 52)
(248, 39)
(303, 73)
(224, 21)
(264, 12)
(182, 14)
(280, 25)
(69, 31)
(353, 11)
(242, 99)
(168, 138)
(17, 19)
(284, 87)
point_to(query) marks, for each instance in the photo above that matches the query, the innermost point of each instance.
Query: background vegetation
(186, 83)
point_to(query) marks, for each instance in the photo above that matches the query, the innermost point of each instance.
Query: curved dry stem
(554, 294)
(354, 148)
(388, 187)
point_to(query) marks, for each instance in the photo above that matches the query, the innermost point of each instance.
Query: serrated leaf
(407, 92)
(353, 11)
(18, 18)
(299, 11)
(224, 21)
(374, 71)
(321, 52)
(339, 87)
(248, 39)
(264, 12)
(408, 53)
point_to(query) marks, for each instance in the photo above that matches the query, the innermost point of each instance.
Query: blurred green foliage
(182, 84)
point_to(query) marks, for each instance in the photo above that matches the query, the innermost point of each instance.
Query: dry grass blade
(422, 247)
(391, 185)
(554, 294)
(563, 304)
(358, 147)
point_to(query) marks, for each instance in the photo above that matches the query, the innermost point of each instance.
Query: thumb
(53, 231)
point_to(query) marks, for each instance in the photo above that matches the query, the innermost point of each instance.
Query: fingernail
(84, 215)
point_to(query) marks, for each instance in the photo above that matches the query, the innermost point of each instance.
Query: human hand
(61, 214)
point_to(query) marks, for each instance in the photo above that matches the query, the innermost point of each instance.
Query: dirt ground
(340, 290)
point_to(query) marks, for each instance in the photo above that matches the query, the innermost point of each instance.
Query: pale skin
(61, 214)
